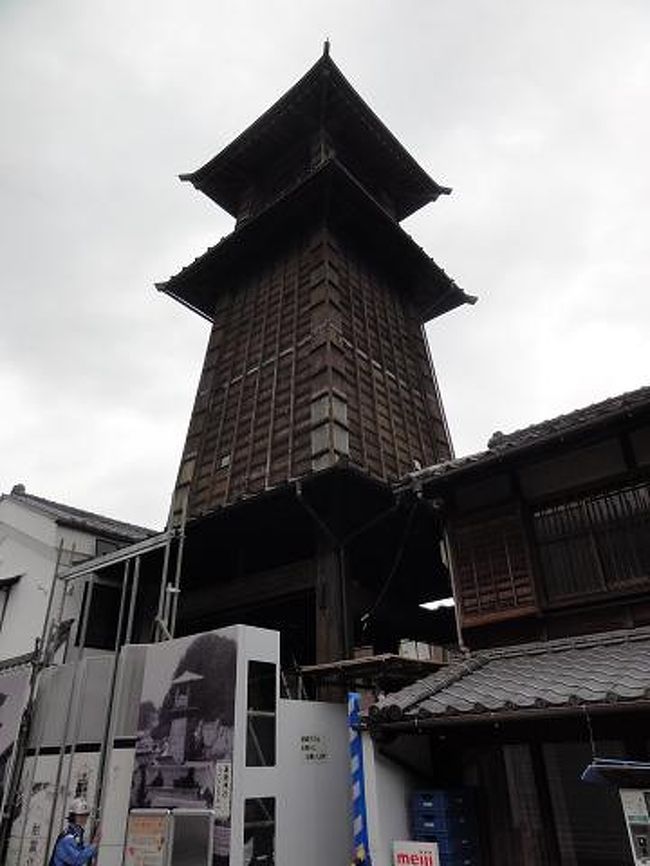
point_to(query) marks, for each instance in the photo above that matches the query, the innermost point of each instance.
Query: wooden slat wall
(314, 357)
(249, 427)
(493, 570)
(395, 417)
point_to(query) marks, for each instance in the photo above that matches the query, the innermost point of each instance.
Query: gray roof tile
(501, 443)
(612, 666)
(86, 521)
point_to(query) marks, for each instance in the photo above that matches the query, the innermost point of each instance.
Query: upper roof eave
(217, 177)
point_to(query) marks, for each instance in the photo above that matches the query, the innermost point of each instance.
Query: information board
(147, 836)
(636, 807)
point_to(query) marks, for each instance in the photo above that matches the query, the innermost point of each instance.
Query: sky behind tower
(536, 115)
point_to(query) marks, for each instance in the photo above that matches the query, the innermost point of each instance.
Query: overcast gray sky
(535, 113)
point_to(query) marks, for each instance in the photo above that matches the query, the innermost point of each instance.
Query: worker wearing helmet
(69, 849)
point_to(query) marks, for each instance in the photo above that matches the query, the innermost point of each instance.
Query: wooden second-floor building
(549, 528)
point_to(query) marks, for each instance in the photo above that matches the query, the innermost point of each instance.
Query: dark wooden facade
(550, 532)
(317, 353)
(317, 389)
(312, 359)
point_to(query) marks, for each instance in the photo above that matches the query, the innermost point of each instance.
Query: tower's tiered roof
(322, 99)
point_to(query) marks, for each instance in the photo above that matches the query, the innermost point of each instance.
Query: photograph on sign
(185, 722)
(185, 729)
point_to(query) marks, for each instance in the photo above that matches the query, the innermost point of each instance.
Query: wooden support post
(331, 606)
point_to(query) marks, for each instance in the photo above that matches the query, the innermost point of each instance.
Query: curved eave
(355, 213)
(297, 113)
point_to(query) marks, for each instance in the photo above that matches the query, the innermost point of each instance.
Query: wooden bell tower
(317, 357)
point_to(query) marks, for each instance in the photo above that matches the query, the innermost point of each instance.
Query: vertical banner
(357, 780)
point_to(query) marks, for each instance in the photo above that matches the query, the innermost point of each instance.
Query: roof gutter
(419, 725)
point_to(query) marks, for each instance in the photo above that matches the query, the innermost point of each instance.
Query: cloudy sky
(535, 113)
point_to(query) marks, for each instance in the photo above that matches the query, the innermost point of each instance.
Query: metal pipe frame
(117, 556)
(135, 585)
(177, 573)
(159, 619)
(50, 601)
(75, 688)
(102, 769)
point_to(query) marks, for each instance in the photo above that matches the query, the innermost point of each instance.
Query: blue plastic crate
(443, 800)
(426, 821)
(460, 860)
(451, 844)
(453, 853)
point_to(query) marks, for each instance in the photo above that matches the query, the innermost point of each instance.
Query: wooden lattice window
(596, 543)
(492, 563)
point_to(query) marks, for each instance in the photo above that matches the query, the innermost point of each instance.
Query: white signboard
(146, 839)
(222, 790)
(313, 748)
(415, 854)
(636, 807)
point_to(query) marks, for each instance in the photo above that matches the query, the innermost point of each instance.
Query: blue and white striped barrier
(359, 818)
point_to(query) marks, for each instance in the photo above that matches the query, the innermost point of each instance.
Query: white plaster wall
(27, 547)
(388, 790)
(313, 809)
(29, 544)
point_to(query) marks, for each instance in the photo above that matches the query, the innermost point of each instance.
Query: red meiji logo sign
(415, 854)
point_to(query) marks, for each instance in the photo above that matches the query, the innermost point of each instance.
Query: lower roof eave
(418, 724)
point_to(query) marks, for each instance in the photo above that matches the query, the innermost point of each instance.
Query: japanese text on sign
(313, 748)
(222, 790)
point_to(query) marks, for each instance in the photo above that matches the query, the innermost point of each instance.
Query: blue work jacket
(70, 849)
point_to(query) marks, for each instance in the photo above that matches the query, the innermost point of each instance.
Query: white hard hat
(79, 807)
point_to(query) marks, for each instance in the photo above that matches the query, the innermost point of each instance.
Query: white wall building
(33, 531)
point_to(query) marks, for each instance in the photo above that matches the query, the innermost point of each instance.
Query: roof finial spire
(326, 47)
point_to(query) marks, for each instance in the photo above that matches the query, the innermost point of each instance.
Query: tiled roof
(502, 443)
(595, 413)
(86, 521)
(597, 669)
(299, 112)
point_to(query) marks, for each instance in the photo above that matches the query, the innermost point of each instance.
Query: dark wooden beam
(218, 597)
